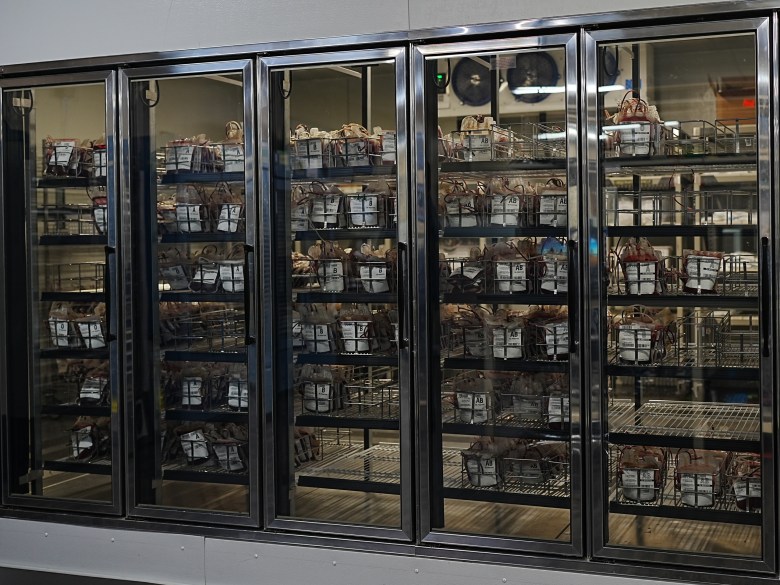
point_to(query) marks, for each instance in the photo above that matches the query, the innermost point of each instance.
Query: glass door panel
(60, 309)
(339, 256)
(195, 241)
(683, 217)
(502, 230)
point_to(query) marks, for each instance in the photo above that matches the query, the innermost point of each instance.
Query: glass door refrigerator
(680, 283)
(62, 362)
(335, 329)
(498, 316)
(187, 132)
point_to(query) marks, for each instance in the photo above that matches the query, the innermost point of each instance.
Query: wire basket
(535, 466)
(72, 220)
(699, 478)
(64, 157)
(186, 157)
(75, 277)
(743, 482)
(322, 397)
(523, 141)
(552, 340)
(462, 275)
(695, 208)
(351, 152)
(737, 135)
(372, 399)
(553, 274)
(213, 330)
(691, 137)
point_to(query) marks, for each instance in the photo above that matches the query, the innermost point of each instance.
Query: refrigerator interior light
(532, 89)
(606, 88)
(617, 127)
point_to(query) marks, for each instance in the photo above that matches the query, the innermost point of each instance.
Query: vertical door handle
(108, 251)
(765, 324)
(403, 250)
(572, 278)
(249, 339)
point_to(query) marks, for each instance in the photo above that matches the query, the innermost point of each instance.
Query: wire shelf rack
(379, 463)
(692, 420)
(688, 208)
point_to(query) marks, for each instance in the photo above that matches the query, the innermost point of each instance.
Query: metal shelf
(679, 424)
(75, 354)
(345, 359)
(508, 365)
(707, 372)
(687, 513)
(76, 410)
(72, 297)
(344, 172)
(194, 297)
(74, 240)
(505, 299)
(713, 162)
(201, 237)
(683, 300)
(376, 470)
(177, 178)
(359, 297)
(503, 166)
(224, 414)
(204, 356)
(100, 466)
(659, 231)
(502, 232)
(70, 182)
(346, 234)
(346, 422)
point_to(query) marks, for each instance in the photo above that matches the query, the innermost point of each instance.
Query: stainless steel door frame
(108, 78)
(766, 127)
(129, 264)
(422, 311)
(266, 66)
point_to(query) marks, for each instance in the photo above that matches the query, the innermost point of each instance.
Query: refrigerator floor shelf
(355, 466)
(668, 502)
(207, 472)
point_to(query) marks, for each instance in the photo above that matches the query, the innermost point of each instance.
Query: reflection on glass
(199, 397)
(57, 159)
(680, 205)
(337, 402)
(501, 389)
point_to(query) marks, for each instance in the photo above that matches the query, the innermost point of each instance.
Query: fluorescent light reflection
(604, 88)
(535, 89)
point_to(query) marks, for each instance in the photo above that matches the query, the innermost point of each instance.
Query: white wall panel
(46, 30)
(436, 13)
(172, 559)
(243, 563)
